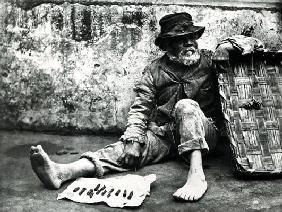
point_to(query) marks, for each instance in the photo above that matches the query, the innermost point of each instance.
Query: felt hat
(178, 24)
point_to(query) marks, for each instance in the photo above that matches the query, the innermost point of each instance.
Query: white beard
(186, 57)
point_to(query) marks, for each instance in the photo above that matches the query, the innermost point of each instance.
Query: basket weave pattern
(251, 98)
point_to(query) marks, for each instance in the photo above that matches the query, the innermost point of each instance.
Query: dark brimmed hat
(178, 24)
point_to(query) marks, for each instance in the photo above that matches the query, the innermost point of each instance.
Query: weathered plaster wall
(71, 67)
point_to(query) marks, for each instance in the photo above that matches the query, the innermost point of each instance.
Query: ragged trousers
(195, 130)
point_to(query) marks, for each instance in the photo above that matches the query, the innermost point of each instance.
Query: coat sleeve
(141, 109)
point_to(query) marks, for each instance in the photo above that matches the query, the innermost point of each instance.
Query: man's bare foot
(47, 171)
(194, 188)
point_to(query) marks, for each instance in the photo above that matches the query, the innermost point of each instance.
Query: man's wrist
(134, 140)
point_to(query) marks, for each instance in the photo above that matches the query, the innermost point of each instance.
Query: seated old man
(176, 112)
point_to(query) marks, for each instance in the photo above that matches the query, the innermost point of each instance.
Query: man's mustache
(188, 51)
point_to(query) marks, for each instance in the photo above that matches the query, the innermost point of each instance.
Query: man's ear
(168, 46)
(165, 45)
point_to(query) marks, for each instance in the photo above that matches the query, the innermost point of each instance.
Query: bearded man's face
(183, 50)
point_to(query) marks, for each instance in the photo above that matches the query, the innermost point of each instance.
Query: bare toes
(186, 197)
(182, 196)
(176, 194)
(33, 149)
(191, 192)
(40, 149)
(191, 197)
(44, 168)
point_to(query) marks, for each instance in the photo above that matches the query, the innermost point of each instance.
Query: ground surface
(22, 191)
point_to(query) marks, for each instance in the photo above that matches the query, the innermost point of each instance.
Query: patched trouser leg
(107, 159)
(196, 131)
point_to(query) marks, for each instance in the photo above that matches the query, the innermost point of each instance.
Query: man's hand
(131, 156)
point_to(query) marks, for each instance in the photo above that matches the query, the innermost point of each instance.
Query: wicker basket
(251, 97)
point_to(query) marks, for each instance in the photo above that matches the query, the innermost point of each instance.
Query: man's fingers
(130, 161)
(131, 156)
(121, 158)
(138, 161)
(135, 162)
(126, 160)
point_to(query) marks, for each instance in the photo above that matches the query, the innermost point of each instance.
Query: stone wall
(70, 67)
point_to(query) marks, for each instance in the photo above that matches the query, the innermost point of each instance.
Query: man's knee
(186, 106)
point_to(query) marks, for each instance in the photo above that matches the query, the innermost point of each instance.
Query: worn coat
(163, 84)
